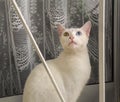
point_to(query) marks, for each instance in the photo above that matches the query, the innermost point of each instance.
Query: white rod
(102, 51)
(38, 51)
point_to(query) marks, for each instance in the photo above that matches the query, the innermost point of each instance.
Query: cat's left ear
(87, 27)
(60, 29)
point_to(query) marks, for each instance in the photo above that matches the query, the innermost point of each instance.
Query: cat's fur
(71, 69)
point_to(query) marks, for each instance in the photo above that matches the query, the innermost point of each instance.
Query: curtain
(18, 56)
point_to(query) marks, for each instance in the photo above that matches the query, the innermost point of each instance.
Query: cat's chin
(73, 47)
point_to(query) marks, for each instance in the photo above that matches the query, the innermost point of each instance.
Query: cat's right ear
(60, 29)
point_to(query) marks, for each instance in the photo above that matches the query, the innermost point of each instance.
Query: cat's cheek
(64, 45)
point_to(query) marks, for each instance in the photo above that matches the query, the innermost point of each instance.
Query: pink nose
(71, 37)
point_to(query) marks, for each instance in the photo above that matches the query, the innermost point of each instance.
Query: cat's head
(74, 38)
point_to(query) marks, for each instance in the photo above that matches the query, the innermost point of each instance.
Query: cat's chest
(75, 67)
(73, 61)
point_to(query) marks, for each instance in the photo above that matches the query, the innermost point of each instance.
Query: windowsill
(90, 94)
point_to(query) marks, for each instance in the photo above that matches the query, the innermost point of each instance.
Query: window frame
(93, 95)
(117, 49)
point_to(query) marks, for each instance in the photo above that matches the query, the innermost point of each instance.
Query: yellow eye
(66, 34)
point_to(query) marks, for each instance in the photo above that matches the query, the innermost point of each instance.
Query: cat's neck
(74, 52)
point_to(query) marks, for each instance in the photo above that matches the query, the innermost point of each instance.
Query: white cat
(71, 69)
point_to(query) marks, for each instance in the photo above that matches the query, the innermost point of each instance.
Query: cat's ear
(87, 27)
(60, 29)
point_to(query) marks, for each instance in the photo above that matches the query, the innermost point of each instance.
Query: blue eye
(78, 33)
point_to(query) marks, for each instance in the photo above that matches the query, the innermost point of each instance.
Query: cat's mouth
(72, 42)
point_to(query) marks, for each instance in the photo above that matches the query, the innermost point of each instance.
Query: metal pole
(38, 51)
(117, 49)
(102, 51)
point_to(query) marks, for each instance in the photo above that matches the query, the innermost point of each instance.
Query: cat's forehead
(72, 30)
